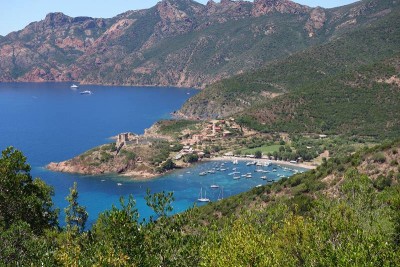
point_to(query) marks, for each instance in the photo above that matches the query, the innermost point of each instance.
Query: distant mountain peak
(170, 11)
(262, 7)
(57, 19)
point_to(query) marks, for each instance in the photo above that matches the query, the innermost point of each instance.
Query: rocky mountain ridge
(175, 43)
(348, 85)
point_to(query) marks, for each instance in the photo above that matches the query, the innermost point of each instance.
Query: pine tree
(76, 215)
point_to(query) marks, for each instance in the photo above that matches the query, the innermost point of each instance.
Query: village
(171, 144)
(207, 140)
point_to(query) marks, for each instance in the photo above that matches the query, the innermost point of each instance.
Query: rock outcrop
(316, 21)
(262, 7)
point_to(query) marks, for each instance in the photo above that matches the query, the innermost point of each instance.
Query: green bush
(191, 158)
(382, 182)
(168, 165)
(379, 157)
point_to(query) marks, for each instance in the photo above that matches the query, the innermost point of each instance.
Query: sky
(16, 14)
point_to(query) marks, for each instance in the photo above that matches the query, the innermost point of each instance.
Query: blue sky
(16, 14)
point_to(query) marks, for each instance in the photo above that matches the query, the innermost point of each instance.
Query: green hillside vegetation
(336, 87)
(346, 212)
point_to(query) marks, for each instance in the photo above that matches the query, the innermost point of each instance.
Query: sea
(50, 122)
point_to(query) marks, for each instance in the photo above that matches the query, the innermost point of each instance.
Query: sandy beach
(305, 165)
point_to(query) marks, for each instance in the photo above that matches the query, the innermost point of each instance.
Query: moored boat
(201, 198)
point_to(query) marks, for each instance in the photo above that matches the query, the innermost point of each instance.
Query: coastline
(308, 165)
(143, 175)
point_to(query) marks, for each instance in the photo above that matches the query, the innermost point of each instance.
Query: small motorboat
(86, 92)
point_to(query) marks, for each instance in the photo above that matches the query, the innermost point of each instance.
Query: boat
(236, 177)
(259, 185)
(264, 177)
(74, 86)
(119, 184)
(201, 198)
(202, 173)
(268, 163)
(86, 92)
(214, 185)
(235, 162)
(248, 175)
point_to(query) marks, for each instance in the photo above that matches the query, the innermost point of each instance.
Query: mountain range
(175, 43)
(346, 85)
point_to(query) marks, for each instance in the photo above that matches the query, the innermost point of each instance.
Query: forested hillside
(349, 85)
(346, 212)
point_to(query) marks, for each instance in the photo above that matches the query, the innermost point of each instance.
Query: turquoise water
(51, 122)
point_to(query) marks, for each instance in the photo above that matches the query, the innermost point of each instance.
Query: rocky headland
(172, 144)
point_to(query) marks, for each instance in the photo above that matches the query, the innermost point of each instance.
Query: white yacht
(201, 198)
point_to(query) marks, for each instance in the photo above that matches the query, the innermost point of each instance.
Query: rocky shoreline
(141, 174)
(165, 146)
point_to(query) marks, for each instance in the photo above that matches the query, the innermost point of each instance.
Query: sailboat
(201, 198)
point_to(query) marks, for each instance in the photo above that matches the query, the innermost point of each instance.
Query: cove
(51, 122)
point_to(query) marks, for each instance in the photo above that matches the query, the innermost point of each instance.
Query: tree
(168, 165)
(191, 158)
(160, 202)
(76, 215)
(258, 154)
(118, 236)
(21, 197)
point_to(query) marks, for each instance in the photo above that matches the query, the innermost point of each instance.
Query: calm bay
(51, 122)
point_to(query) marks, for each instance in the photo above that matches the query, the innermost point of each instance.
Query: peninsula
(171, 144)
